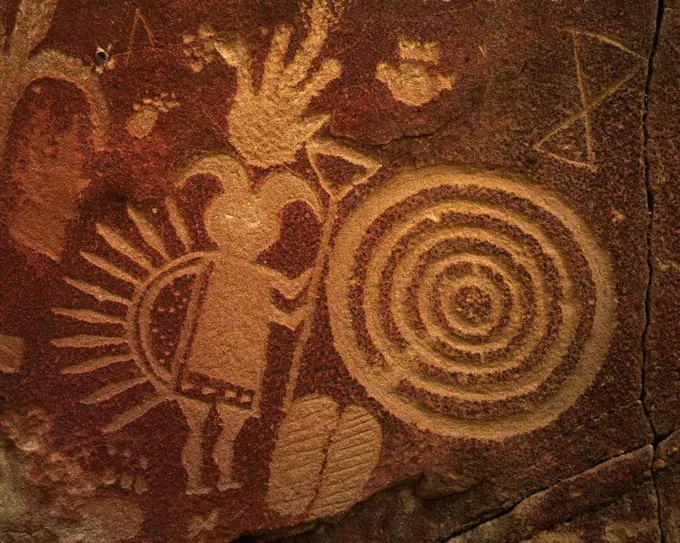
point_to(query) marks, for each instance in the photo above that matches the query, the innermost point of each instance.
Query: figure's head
(242, 220)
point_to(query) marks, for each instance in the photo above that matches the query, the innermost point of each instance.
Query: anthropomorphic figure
(225, 360)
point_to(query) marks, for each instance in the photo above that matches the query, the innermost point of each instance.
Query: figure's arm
(290, 320)
(290, 289)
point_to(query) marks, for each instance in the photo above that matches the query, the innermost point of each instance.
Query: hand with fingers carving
(268, 126)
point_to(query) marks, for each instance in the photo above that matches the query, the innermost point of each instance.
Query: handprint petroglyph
(229, 364)
(268, 124)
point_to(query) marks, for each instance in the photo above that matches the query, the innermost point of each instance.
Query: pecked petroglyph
(268, 125)
(475, 305)
(200, 48)
(39, 222)
(208, 367)
(20, 66)
(571, 141)
(467, 304)
(323, 458)
(11, 353)
(415, 80)
(353, 453)
(299, 455)
(138, 22)
(142, 122)
(319, 150)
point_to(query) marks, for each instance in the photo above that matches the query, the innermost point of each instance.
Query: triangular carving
(603, 66)
(339, 167)
(570, 144)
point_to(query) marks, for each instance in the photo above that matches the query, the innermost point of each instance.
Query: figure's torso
(232, 328)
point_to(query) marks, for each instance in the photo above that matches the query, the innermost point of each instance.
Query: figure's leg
(231, 419)
(196, 413)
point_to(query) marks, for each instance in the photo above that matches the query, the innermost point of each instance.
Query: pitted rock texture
(338, 270)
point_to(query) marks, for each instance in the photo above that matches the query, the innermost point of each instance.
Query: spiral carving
(468, 303)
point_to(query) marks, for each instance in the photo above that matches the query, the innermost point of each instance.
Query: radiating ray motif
(85, 341)
(147, 232)
(117, 242)
(178, 223)
(132, 414)
(110, 268)
(112, 390)
(11, 353)
(215, 306)
(97, 292)
(117, 331)
(87, 315)
(93, 364)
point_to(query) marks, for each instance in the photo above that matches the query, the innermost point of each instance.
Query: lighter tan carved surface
(211, 367)
(425, 237)
(146, 114)
(353, 453)
(243, 222)
(200, 49)
(476, 284)
(323, 458)
(11, 353)
(415, 80)
(40, 220)
(299, 455)
(268, 124)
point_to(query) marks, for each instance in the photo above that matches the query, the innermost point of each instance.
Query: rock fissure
(650, 222)
(541, 491)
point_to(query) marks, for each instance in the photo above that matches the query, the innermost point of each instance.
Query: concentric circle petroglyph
(469, 303)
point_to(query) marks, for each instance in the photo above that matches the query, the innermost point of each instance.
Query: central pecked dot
(472, 304)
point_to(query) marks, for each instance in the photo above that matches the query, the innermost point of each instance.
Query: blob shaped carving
(466, 303)
(49, 201)
(416, 79)
(11, 353)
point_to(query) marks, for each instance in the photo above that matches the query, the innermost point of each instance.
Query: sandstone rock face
(339, 271)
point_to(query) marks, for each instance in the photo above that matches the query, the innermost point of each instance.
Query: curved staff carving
(468, 303)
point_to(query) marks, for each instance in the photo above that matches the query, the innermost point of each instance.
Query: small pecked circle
(472, 304)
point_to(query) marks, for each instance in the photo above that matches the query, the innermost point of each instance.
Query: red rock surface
(337, 270)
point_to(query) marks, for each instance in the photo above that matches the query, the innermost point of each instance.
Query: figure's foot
(228, 485)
